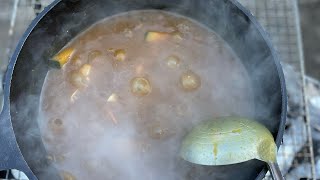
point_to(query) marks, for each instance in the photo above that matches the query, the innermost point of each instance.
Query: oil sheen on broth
(128, 90)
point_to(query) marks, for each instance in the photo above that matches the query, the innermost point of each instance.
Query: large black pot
(20, 140)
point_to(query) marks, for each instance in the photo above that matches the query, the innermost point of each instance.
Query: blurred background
(294, 27)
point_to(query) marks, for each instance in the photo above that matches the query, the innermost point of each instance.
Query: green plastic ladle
(230, 140)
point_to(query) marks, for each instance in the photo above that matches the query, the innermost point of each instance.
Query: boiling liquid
(135, 84)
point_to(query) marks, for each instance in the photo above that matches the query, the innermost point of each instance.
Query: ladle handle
(275, 171)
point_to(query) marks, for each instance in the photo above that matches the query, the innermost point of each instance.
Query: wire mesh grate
(280, 20)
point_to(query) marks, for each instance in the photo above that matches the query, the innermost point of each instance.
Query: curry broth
(129, 88)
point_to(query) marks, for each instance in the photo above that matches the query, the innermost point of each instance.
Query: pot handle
(10, 155)
(275, 171)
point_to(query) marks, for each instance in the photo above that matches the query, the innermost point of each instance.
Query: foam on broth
(120, 106)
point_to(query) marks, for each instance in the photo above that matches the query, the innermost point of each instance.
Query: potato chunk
(120, 54)
(85, 70)
(67, 176)
(152, 36)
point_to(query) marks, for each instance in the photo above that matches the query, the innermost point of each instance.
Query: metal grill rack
(280, 18)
